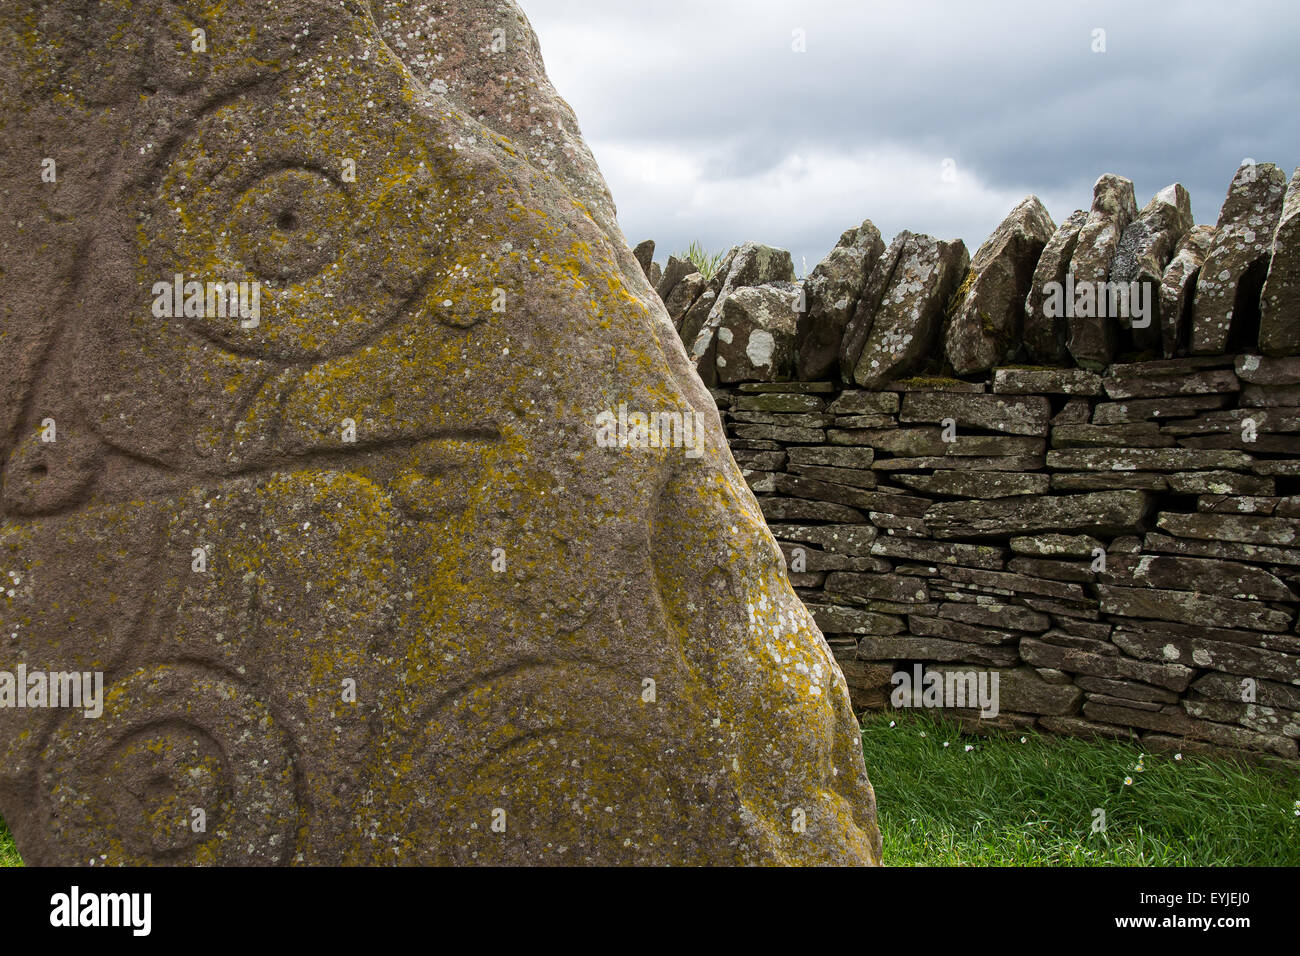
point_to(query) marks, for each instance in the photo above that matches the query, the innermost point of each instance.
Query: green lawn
(1008, 803)
(8, 855)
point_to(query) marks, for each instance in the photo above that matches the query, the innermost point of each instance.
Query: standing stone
(367, 575)
(904, 330)
(1236, 266)
(1145, 248)
(676, 270)
(644, 254)
(1279, 326)
(1178, 289)
(864, 314)
(986, 326)
(684, 295)
(1092, 336)
(832, 292)
(751, 264)
(756, 334)
(1046, 335)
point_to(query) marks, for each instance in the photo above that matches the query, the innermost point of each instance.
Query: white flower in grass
(969, 748)
(945, 743)
(1024, 740)
(1139, 768)
(1128, 781)
(893, 724)
(1178, 756)
(923, 733)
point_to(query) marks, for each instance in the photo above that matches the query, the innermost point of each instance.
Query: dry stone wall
(1097, 506)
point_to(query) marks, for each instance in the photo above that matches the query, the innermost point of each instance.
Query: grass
(8, 852)
(1007, 803)
(707, 263)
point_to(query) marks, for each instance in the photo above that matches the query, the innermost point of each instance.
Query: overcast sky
(925, 115)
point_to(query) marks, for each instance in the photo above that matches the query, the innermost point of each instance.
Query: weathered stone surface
(1178, 289)
(1057, 545)
(816, 490)
(1012, 583)
(1046, 335)
(801, 509)
(905, 647)
(1228, 550)
(1029, 415)
(930, 626)
(684, 295)
(1046, 381)
(673, 273)
(1237, 264)
(747, 266)
(1144, 459)
(778, 433)
(1132, 690)
(1175, 677)
(865, 403)
(1217, 527)
(895, 588)
(987, 484)
(1145, 249)
(1106, 512)
(1279, 326)
(1149, 409)
(833, 457)
(1143, 381)
(832, 292)
(1205, 654)
(334, 566)
(1190, 608)
(853, 477)
(1137, 435)
(834, 619)
(697, 315)
(1077, 571)
(996, 615)
(990, 463)
(1219, 483)
(644, 253)
(1224, 578)
(1022, 690)
(1286, 643)
(755, 334)
(936, 552)
(779, 402)
(1174, 721)
(1267, 693)
(792, 420)
(791, 388)
(986, 319)
(890, 337)
(841, 539)
(1266, 720)
(1074, 481)
(1092, 338)
(1259, 370)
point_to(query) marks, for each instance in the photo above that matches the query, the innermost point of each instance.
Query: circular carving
(287, 225)
(522, 773)
(184, 767)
